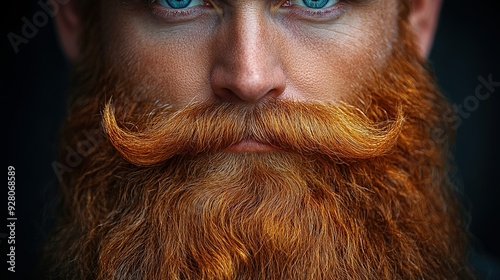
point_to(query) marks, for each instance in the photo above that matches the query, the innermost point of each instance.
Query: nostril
(240, 85)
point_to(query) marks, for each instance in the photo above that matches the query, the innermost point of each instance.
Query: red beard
(354, 191)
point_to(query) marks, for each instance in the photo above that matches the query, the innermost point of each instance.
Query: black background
(33, 90)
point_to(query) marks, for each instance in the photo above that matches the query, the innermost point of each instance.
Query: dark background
(34, 81)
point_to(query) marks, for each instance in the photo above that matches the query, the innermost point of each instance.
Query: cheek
(172, 72)
(328, 64)
(158, 65)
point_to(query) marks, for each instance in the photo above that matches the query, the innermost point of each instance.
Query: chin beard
(354, 190)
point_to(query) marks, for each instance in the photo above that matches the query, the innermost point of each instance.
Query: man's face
(256, 140)
(248, 51)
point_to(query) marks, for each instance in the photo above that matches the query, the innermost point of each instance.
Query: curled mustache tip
(129, 144)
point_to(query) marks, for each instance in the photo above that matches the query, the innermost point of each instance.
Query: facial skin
(256, 140)
(247, 51)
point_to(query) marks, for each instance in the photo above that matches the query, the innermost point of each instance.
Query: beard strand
(259, 216)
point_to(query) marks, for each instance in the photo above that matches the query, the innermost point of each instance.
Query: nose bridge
(250, 35)
(248, 67)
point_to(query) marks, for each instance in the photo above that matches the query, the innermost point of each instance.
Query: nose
(247, 66)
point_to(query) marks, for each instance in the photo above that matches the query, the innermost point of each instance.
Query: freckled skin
(246, 51)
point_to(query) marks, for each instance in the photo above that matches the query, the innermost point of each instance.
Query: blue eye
(175, 4)
(315, 4)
